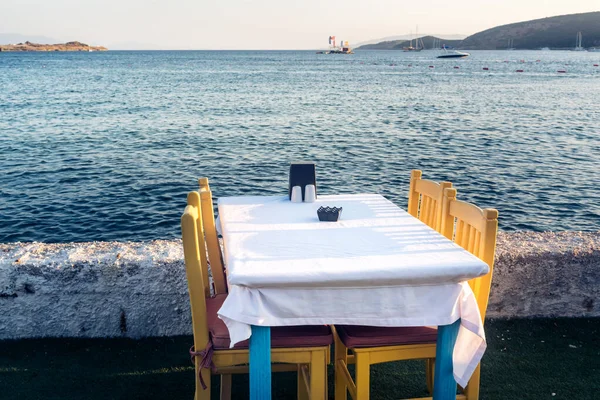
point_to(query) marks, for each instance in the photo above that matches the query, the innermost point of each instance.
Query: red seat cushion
(281, 336)
(374, 336)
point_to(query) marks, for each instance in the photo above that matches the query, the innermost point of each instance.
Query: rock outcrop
(69, 46)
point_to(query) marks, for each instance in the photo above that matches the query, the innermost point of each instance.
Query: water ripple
(105, 146)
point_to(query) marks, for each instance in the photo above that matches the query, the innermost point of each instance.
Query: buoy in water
(410, 65)
(486, 69)
(595, 65)
(561, 71)
(456, 67)
(431, 66)
(520, 70)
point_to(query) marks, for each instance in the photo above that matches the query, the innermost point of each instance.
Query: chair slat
(460, 225)
(413, 195)
(434, 213)
(193, 199)
(477, 245)
(424, 210)
(212, 241)
(472, 234)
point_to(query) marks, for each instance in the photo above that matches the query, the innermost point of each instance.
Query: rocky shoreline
(69, 46)
(139, 289)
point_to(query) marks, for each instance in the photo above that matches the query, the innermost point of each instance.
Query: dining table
(377, 266)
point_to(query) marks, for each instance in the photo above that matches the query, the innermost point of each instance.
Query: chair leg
(318, 375)
(429, 368)
(340, 354)
(363, 376)
(226, 387)
(472, 389)
(302, 390)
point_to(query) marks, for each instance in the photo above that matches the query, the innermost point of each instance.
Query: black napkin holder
(302, 174)
(330, 214)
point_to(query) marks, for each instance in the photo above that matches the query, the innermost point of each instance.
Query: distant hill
(69, 46)
(554, 32)
(401, 44)
(408, 36)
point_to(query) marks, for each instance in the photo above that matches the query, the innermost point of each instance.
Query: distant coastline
(69, 46)
(556, 33)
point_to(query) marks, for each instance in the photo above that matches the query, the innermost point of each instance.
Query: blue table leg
(260, 363)
(444, 385)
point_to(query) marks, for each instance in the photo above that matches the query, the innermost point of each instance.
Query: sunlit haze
(266, 24)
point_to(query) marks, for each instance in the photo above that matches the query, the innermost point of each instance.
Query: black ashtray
(331, 214)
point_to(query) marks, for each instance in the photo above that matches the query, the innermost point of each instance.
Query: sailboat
(511, 44)
(418, 43)
(578, 42)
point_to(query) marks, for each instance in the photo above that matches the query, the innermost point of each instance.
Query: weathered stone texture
(134, 290)
(546, 274)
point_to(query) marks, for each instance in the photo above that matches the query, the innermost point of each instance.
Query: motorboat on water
(341, 50)
(453, 54)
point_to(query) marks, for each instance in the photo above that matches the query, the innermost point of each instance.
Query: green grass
(526, 359)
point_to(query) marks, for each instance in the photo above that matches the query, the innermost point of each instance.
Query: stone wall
(134, 289)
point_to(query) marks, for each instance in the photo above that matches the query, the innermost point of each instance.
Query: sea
(105, 146)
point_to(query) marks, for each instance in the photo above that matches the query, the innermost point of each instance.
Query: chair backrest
(212, 241)
(475, 230)
(196, 268)
(425, 199)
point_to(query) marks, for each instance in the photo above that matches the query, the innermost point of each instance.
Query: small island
(69, 46)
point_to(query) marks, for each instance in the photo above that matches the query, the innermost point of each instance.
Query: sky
(263, 24)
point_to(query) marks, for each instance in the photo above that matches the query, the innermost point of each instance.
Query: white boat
(594, 50)
(453, 54)
(545, 49)
(578, 42)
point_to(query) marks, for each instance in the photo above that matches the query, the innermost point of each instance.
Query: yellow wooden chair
(476, 231)
(304, 349)
(425, 199)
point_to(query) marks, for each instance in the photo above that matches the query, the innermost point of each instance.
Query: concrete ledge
(130, 289)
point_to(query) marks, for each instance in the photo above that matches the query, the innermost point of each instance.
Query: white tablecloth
(377, 266)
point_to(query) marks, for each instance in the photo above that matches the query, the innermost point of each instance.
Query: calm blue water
(105, 146)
